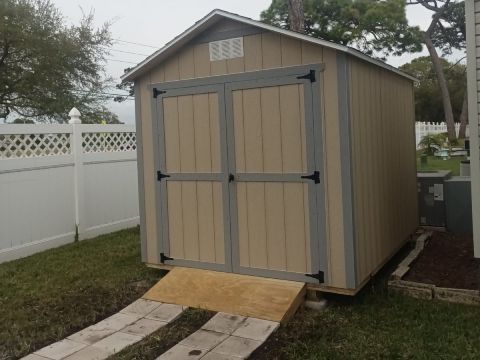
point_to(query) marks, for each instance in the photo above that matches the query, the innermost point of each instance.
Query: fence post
(78, 174)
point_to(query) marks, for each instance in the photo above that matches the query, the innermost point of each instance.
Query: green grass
(50, 295)
(53, 294)
(380, 327)
(436, 163)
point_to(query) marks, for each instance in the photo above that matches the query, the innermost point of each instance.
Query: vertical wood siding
(261, 51)
(383, 164)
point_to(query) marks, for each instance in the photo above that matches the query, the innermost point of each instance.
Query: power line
(135, 43)
(122, 61)
(128, 52)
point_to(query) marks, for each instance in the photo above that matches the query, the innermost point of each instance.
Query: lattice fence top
(33, 145)
(108, 142)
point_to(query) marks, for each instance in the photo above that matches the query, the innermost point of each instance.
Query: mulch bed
(447, 261)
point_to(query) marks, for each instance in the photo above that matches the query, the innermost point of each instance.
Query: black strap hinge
(319, 276)
(315, 177)
(164, 258)
(157, 92)
(310, 76)
(160, 176)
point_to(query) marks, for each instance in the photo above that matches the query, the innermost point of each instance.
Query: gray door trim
(311, 115)
(195, 177)
(343, 81)
(271, 177)
(231, 78)
(162, 203)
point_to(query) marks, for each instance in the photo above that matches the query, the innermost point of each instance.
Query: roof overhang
(213, 17)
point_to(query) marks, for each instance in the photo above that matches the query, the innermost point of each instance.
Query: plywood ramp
(263, 298)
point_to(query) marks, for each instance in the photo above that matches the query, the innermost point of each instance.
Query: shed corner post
(343, 84)
(473, 115)
(140, 170)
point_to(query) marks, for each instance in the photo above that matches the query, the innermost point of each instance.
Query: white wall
(50, 184)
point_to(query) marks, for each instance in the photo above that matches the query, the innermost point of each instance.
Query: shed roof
(214, 16)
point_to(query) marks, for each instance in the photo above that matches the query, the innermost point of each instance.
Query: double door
(240, 174)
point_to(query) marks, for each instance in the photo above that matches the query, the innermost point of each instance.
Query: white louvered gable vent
(226, 49)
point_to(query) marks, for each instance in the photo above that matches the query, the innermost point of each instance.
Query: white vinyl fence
(426, 128)
(58, 182)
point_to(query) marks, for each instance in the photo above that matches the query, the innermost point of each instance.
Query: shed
(267, 152)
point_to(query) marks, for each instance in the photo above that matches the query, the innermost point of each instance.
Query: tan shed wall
(383, 164)
(261, 51)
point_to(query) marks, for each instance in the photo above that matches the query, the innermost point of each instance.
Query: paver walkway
(109, 336)
(223, 337)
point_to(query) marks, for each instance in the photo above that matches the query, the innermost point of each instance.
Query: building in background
(472, 8)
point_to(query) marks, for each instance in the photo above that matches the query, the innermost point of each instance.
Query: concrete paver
(116, 342)
(104, 328)
(141, 307)
(237, 346)
(166, 312)
(89, 353)
(144, 327)
(224, 323)
(60, 349)
(256, 329)
(180, 352)
(203, 339)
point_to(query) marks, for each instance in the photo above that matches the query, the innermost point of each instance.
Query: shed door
(193, 179)
(271, 156)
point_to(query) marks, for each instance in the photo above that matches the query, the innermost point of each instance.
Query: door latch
(231, 178)
(315, 177)
(161, 176)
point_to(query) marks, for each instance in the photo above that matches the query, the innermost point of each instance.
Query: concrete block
(237, 346)
(141, 307)
(60, 349)
(144, 327)
(116, 342)
(224, 323)
(166, 312)
(88, 353)
(256, 329)
(403, 288)
(180, 352)
(460, 296)
(104, 328)
(400, 272)
(203, 339)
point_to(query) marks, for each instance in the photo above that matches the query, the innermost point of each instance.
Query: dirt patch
(447, 261)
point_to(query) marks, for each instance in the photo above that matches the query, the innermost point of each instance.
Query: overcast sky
(155, 22)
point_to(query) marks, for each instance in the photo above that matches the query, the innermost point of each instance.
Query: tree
(428, 97)
(446, 31)
(47, 67)
(297, 15)
(376, 27)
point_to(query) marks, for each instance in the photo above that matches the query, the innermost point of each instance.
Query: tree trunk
(462, 132)
(296, 15)
(442, 82)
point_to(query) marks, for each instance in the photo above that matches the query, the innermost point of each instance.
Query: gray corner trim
(343, 80)
(230, 34)
(140, 171)
(473, 71)
(257, 75)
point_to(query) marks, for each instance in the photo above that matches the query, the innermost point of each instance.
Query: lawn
(436, 163)
(50, 295)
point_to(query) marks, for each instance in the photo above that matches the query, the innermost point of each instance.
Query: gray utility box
(431, 199)
(458, 204)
